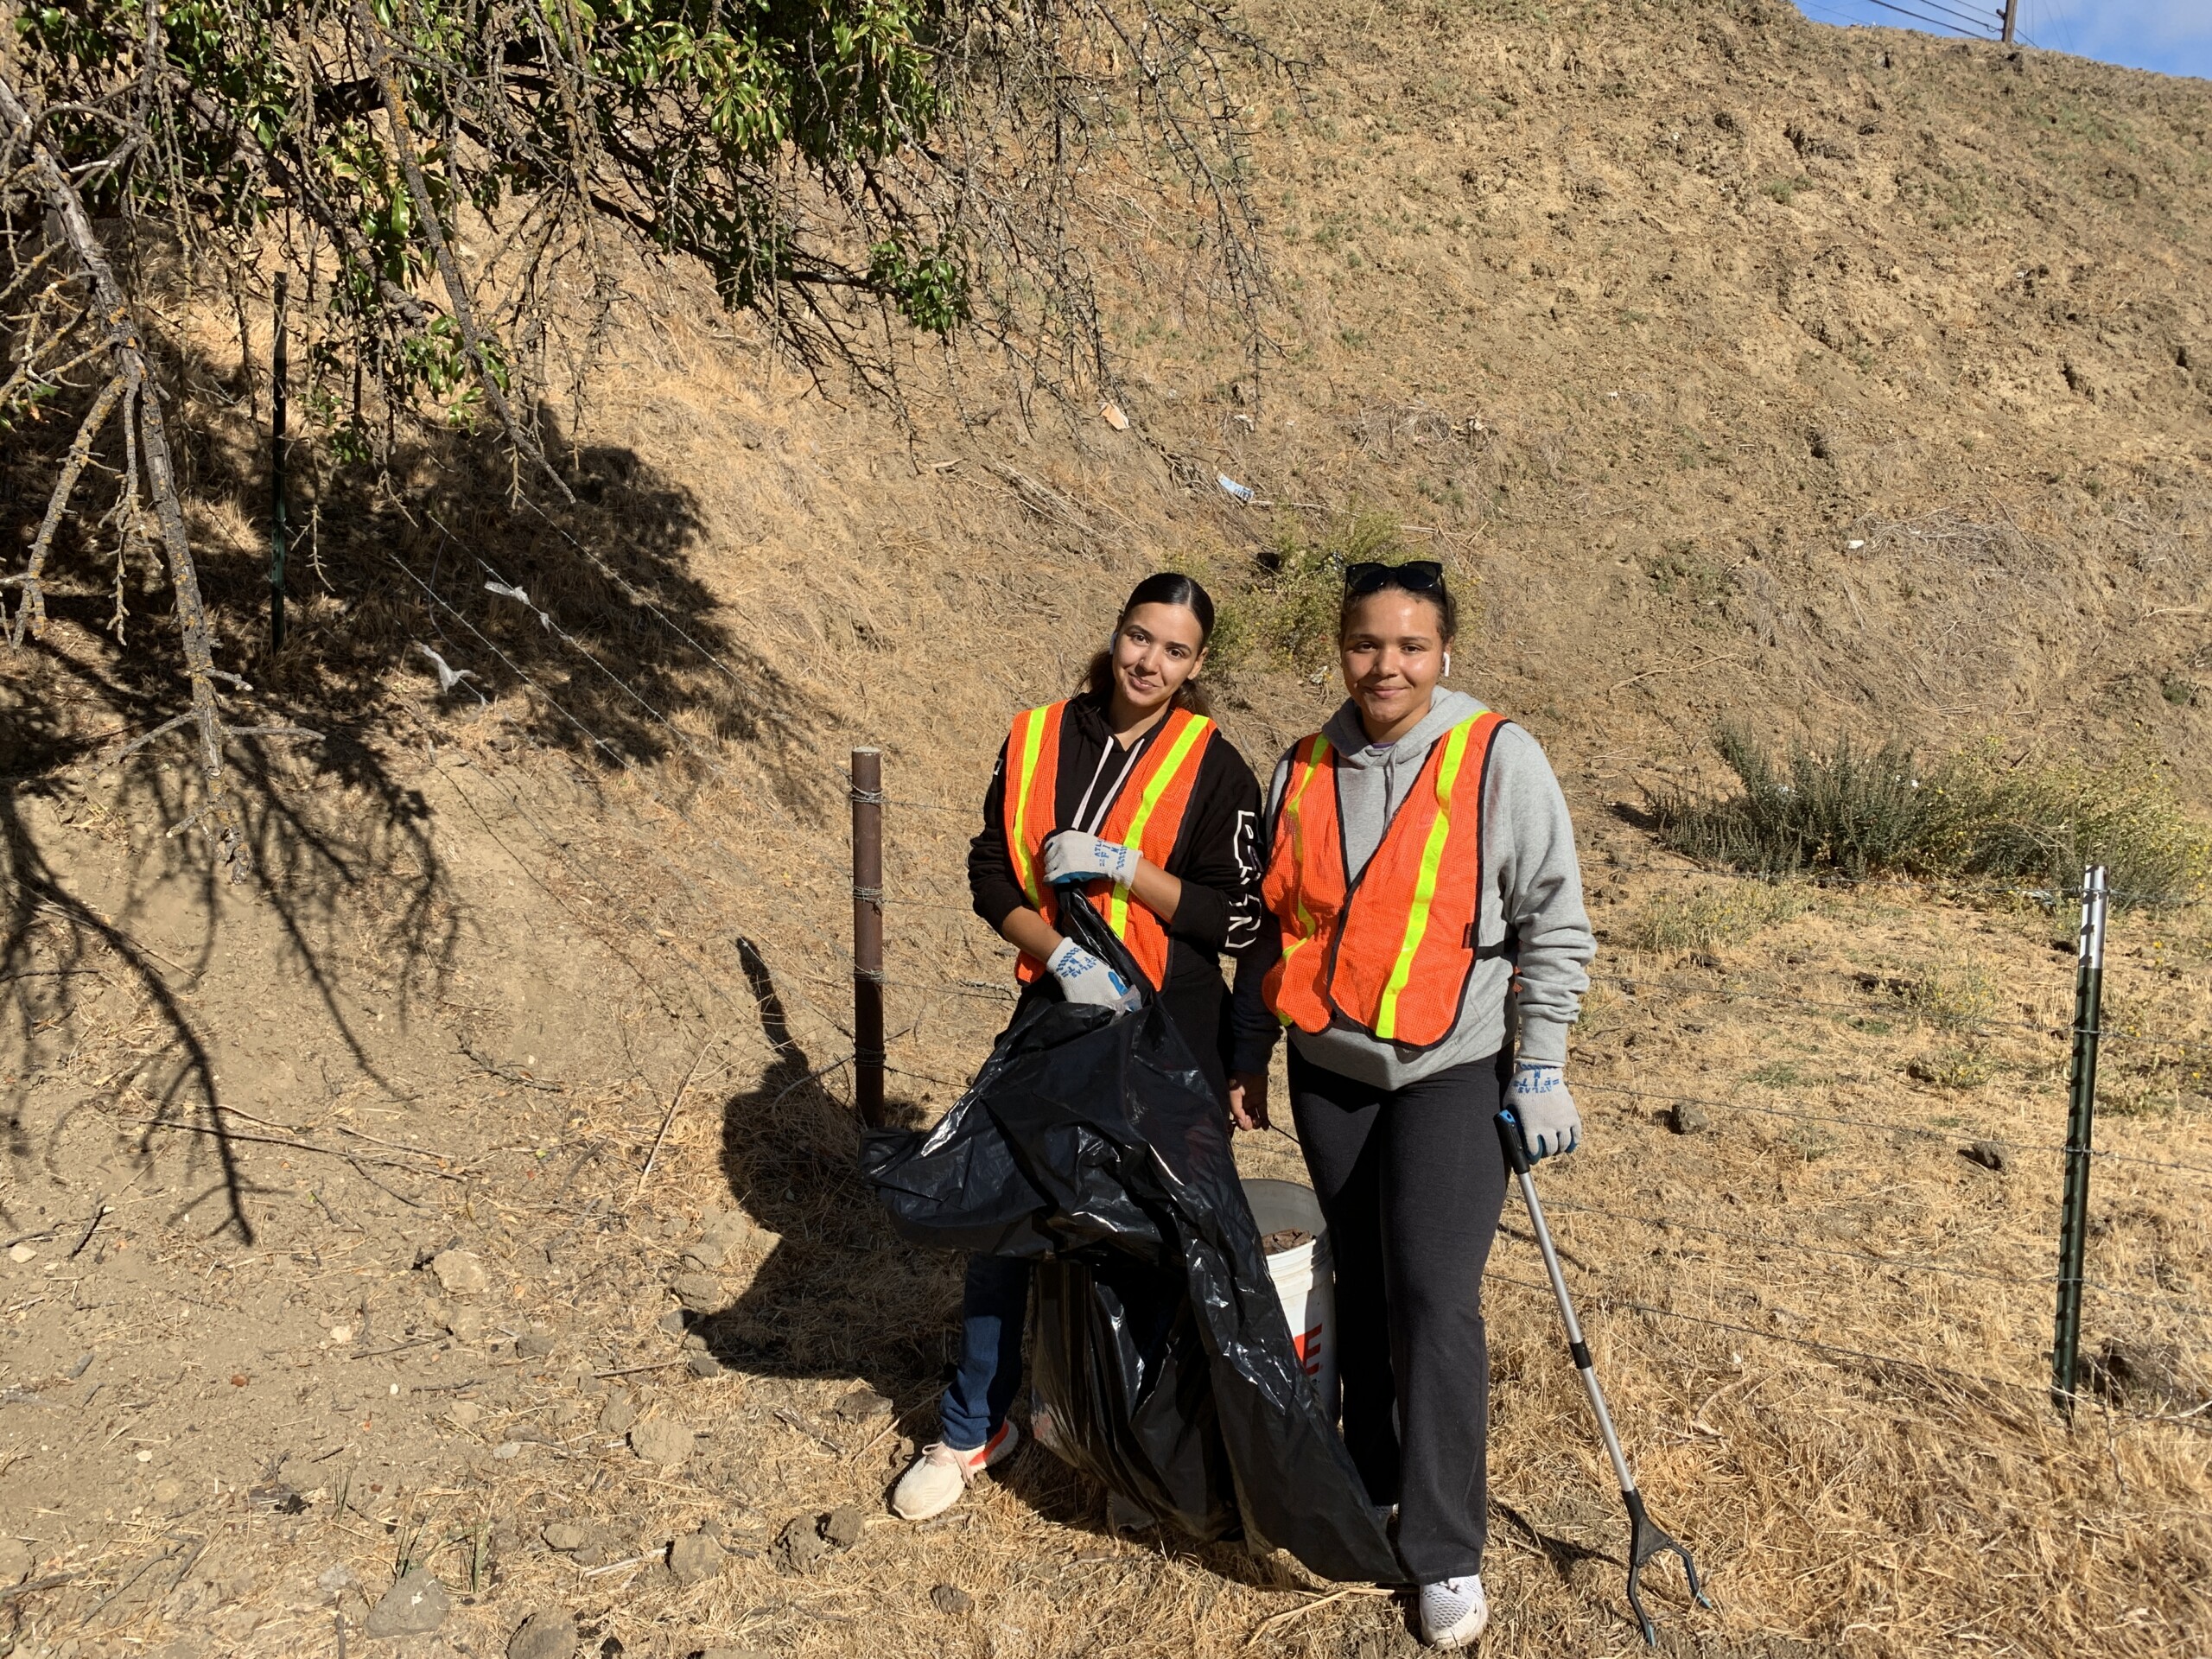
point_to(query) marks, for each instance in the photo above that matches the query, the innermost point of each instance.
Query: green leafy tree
(441, 180)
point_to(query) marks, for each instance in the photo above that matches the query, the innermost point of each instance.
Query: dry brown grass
(1646, 562)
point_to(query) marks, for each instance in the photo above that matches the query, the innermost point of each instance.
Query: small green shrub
(1949, 1068)
(1288, 615)
(1863, 811)
(1956, 995)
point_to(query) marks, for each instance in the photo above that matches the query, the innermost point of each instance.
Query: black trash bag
(1091, 1142)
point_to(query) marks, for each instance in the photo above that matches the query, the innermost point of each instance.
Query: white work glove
(1549, 1124)
(1071, 855)
(1084, 978)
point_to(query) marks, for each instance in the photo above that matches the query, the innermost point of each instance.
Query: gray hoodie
(1532, 887)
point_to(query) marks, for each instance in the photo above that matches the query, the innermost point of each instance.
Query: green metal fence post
(2081, 1078)
(279, 538)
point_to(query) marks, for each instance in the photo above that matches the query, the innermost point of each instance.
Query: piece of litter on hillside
(1110, 413)
(1242, 492)
(1854, 546)
(448, 678)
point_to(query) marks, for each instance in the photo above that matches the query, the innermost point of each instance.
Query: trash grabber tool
(1645, 1540)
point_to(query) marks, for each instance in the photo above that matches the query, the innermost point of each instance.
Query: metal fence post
(279, 538)
(867, 935)
(2081, 1078)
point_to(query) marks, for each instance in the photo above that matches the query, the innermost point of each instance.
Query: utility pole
(2011, 17)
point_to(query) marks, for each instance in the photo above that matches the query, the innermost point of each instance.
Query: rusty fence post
(867, 935)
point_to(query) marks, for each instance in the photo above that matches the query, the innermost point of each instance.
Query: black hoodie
(1217, 854)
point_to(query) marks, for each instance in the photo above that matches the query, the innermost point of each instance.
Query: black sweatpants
(1412, 1181)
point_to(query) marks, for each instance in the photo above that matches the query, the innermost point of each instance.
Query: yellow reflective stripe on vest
(1030, 728)
(1431, 860)
(1117, 910)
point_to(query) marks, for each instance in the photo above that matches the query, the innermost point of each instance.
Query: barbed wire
(1769, 1240)
(1606, 1300)
(2009, 1145)
(712, 982)
(1938, 886)
(553, 626)
(1635, 984)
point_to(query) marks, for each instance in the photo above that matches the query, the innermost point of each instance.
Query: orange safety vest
(1147, 815)
(1391, 952)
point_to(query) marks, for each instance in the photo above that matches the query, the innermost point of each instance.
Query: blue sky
(2173, 36)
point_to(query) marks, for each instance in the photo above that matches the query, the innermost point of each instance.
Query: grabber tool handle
(1646, 1539)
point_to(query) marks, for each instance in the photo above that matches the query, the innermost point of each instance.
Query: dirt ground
(1838, 381)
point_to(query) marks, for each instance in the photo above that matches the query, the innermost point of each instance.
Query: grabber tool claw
(1645, 1539)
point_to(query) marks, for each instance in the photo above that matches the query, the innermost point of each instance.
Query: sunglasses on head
(1415, 576)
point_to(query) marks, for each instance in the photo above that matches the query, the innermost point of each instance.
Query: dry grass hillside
(1741, 367)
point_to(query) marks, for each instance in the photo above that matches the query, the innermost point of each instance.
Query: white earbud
(1447, 665)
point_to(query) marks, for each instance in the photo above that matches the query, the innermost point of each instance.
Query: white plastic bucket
(1304, 1278)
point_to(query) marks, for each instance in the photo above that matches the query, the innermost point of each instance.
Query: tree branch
(464, 314)
(128, 355)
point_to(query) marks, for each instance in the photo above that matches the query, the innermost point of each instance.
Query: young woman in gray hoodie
(1397, 1004)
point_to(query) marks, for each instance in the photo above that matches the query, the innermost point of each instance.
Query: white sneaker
(1453, 1613)
(934, 1481)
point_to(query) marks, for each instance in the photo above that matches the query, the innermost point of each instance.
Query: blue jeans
(994, 1308)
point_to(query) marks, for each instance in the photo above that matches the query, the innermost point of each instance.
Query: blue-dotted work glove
(1549, 1124)
(1084, 978)
(1071, 855)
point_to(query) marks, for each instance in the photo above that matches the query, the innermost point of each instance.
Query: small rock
(661, 1441)
(842, 1527)
(694, 1559)
(168, 1490)
(589, 1384)
(951, 1600)
(21, 1253)
(460, 1274)
(464, 1412)
(549, 1633)
(673, 1323)
(337, 1579)
(799, 1545)
(697, 1291)
(534, 1343)
(507, 1449)
(701, 1255)
(415, 1606)
(705, 1364)
(568, 1412)
(618, 1413)
(566, 1536)
(1987, 1153)
(1686, 1117)
(465, 1323)
(15, 1560)
(862, 1403)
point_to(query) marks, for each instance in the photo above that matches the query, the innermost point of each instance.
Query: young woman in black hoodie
(1128, 791)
